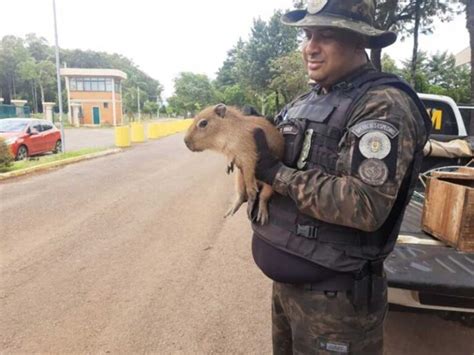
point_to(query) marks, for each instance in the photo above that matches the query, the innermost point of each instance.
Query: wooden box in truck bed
(448, 212)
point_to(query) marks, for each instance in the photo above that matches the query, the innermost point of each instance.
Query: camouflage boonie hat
(352, 15)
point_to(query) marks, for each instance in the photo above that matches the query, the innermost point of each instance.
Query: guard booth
(94, 96)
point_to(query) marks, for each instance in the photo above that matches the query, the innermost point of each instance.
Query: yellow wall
(97, 99)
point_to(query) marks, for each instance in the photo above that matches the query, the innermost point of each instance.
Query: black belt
(343, 282)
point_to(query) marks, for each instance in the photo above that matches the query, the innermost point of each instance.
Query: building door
(96, 114)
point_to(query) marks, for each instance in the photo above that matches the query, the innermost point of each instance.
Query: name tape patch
(374, 125)
(334, 346)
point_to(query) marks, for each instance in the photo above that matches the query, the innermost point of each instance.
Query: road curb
(54, 164)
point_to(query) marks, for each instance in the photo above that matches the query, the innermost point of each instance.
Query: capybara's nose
(188, 143)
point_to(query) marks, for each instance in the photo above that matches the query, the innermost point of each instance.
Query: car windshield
(12, 126)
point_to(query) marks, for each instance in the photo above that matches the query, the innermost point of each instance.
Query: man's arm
(363, 193)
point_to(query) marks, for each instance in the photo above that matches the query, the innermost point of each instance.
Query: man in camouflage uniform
(353, 147)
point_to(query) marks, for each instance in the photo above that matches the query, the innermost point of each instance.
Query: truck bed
(421, 263)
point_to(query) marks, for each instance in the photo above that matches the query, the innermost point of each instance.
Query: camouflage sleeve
(374, 155)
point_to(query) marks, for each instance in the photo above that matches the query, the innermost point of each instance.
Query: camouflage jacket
(344, 198)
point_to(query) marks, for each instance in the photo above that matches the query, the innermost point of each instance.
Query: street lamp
(58, 77)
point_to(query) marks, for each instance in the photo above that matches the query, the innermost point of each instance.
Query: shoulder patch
(374, 125)
(375, 144)
(373, 172)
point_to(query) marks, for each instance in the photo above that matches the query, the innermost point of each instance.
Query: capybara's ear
(220, 110)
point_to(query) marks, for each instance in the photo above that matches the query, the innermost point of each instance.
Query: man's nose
(312, 46)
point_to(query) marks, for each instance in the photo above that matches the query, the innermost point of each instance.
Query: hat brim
(375, 38)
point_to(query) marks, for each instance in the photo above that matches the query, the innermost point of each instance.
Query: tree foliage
(399, 16)
(28, 66)
(289, 76)
(436, 74)
(193, 92)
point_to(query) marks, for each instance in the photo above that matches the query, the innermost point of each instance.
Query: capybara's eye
(202, 124)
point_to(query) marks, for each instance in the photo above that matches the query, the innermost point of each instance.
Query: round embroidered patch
(375, 145)
(373, 172)
(315, 6)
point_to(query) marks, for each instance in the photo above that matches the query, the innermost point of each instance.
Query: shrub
(6, 156)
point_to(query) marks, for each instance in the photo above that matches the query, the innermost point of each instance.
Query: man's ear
(220, 110)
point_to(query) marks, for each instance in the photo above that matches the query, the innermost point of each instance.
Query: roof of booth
(93, 72)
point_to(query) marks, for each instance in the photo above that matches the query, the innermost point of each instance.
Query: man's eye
(327, 34)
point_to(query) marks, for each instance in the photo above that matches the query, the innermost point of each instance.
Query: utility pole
(58, 78)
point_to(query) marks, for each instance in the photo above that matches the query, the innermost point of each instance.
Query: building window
(87, 84)
(93, 84)
(106, 105)
(108, 85)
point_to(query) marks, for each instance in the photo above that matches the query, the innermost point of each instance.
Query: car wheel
(58, 147)
(22, 153)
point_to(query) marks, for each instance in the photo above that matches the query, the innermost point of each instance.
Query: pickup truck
(423, 272)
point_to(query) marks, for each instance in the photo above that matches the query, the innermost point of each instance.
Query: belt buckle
(307, 231)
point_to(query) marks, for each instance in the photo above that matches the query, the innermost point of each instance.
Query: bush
(6, 156)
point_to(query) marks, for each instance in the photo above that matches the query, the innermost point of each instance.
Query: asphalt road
(78, 138)
(130, 253)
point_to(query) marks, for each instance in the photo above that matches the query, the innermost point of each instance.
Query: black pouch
(293, 133)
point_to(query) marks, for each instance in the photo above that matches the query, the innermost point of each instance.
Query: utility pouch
(293, 133)
(360, 293)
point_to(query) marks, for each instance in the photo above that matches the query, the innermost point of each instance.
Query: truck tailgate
(420, 263)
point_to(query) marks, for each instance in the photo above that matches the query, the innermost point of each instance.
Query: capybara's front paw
(262, 215)
(250, 208)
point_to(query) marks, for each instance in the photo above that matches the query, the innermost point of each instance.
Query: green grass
(43, 159)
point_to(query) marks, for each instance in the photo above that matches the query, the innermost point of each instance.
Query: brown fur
(229, 132)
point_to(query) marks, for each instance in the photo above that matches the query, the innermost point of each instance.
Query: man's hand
(267, 164)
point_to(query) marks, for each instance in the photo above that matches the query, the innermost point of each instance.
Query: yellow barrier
(122, 136)
(138, 132)
(154, 131)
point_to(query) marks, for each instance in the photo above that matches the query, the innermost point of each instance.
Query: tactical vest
(324, 118)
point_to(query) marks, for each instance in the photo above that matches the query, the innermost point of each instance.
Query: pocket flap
(314, 113)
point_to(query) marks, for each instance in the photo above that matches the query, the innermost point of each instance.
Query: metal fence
(13, 111)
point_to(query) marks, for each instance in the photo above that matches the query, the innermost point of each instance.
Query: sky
(165, 38)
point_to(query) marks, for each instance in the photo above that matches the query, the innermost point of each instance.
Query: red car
(30, 136)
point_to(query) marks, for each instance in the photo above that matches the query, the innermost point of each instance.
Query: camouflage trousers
(316, 322)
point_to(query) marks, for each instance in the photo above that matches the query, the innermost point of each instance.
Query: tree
(227, 76)
(233, 96)
(289, 78)
(12, 53)
(398, 15)
(192, 92)
(389, 65)
(267, 42)
(420, 83)
(47, 80)
(28, 71)
(445, 78)
(436, 74)
(38, 47)
(150, 107)
(28, 64)
(469, 8)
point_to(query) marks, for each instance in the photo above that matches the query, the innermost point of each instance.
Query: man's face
(329, 54)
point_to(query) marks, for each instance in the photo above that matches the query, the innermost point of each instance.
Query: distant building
(463, 57)
(94, 96)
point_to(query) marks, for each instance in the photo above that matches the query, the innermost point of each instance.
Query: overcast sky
(166, 37)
